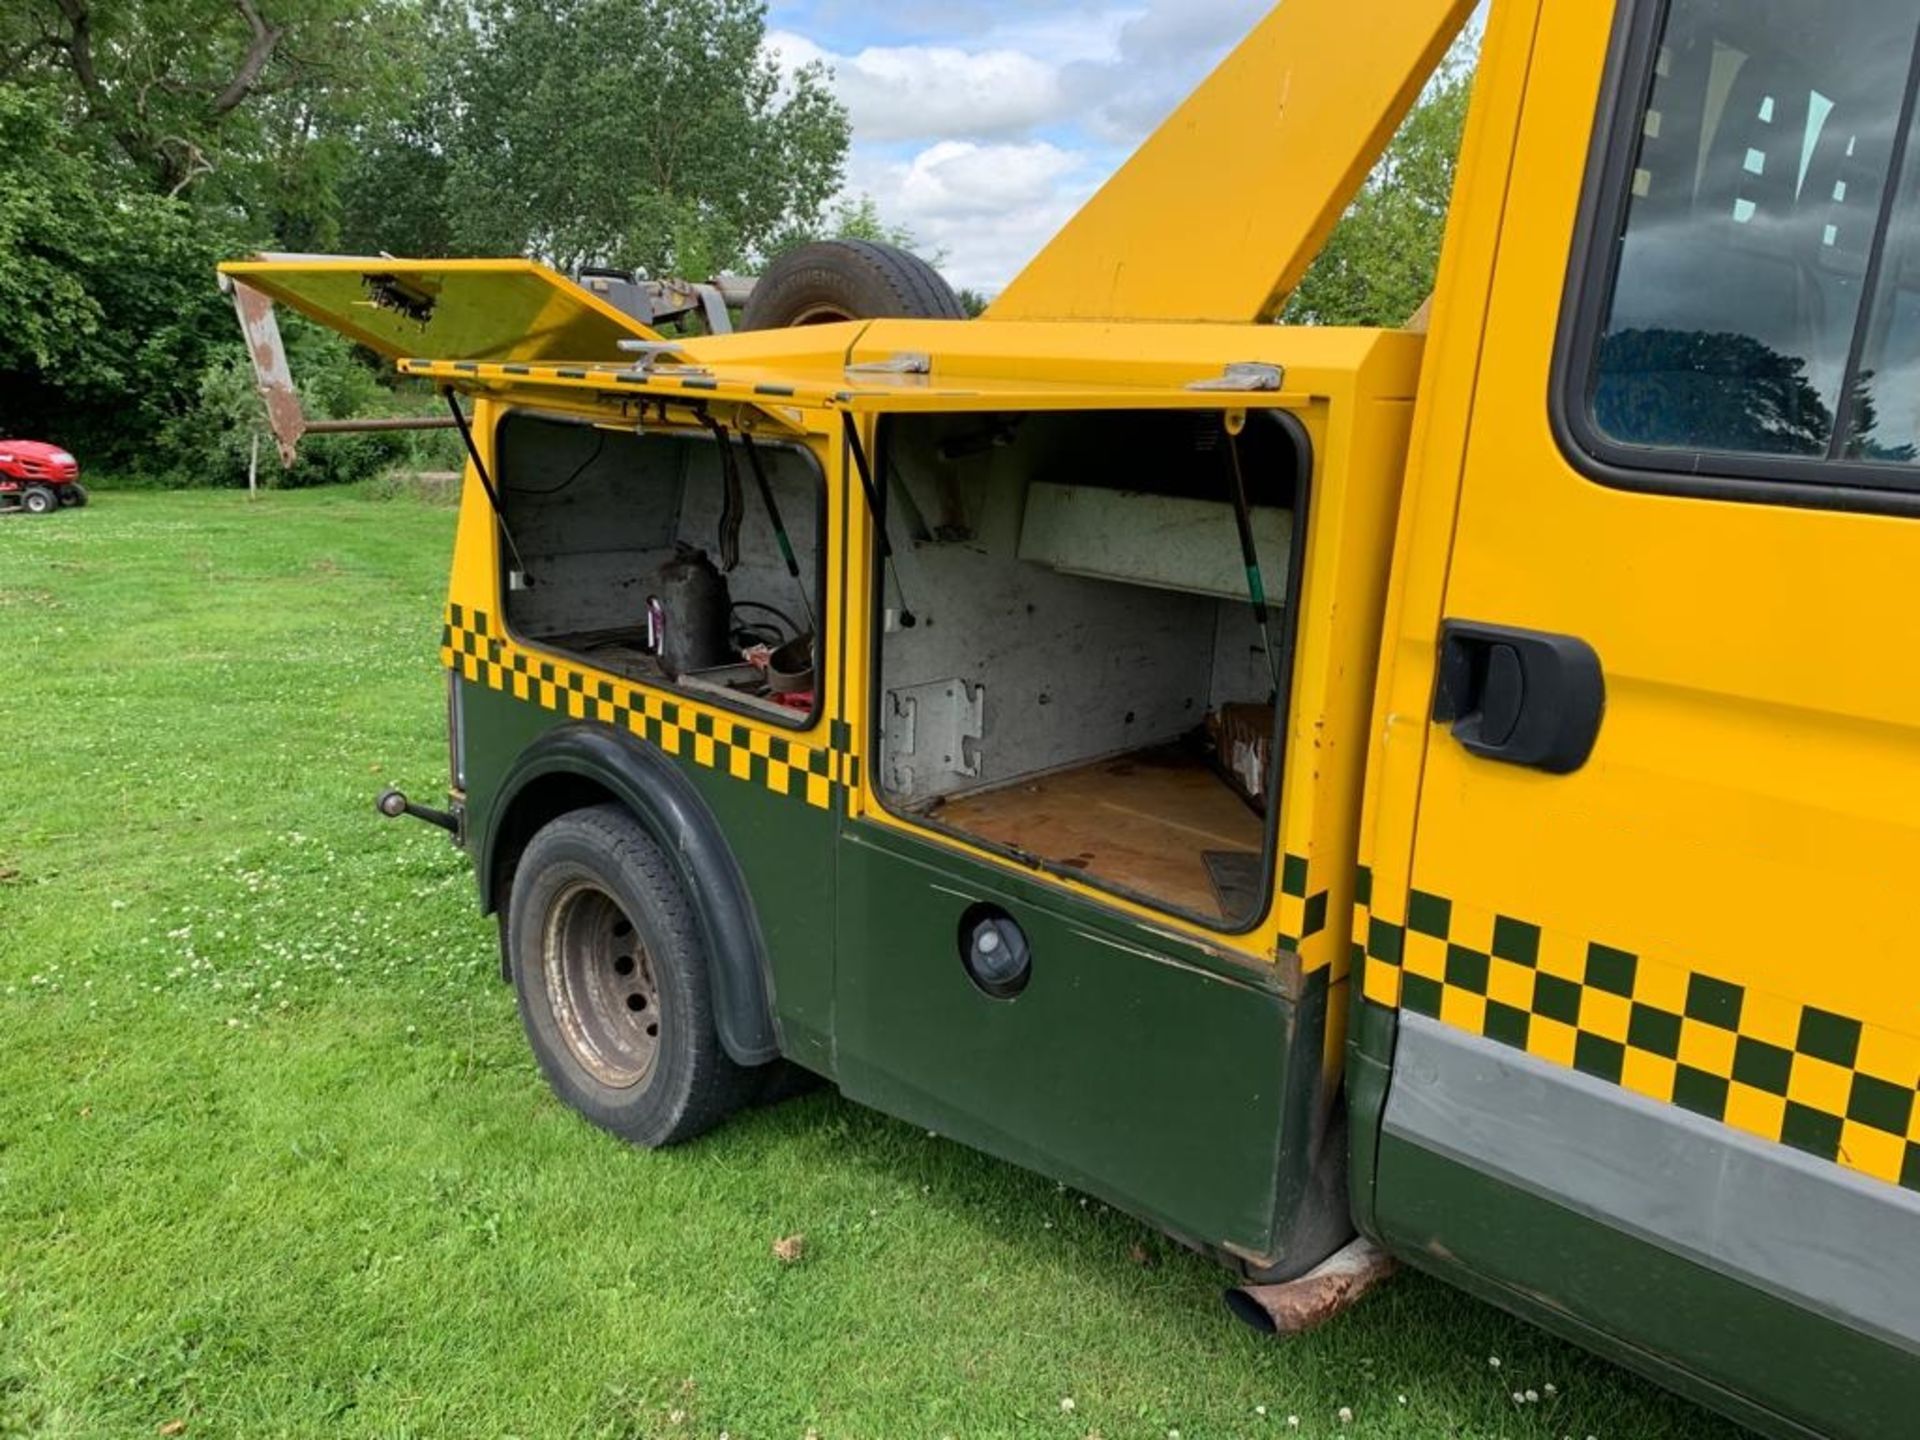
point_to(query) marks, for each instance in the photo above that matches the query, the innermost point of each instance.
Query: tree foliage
(108, 288)
(648, 134)
(142, 141)
(851, 217)
(247, 105)
(1379, 266)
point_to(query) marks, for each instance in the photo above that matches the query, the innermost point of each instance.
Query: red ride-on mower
(38, 478)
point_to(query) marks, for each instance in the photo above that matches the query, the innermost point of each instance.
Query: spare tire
(836, 280)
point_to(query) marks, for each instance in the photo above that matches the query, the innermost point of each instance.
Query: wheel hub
(600, 978)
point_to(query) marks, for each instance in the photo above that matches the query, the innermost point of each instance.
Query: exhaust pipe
(393, 804)
(1330, 1289)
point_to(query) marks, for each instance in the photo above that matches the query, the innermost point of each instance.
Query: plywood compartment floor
(1141, 823)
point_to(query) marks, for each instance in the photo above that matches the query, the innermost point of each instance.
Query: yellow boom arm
(1224, 207)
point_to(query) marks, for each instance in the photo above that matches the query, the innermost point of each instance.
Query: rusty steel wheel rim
(823, 313)
(602, 987)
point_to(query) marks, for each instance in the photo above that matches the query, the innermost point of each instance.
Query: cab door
(1659, 1022)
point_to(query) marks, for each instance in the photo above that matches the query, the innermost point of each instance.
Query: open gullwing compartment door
(469, 310)
(483, 310)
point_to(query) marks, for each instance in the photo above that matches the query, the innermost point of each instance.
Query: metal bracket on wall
(931, 736)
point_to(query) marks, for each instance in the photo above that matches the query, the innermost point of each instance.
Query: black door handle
(1520, 696)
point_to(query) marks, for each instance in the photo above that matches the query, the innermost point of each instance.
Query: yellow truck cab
(1455, 787)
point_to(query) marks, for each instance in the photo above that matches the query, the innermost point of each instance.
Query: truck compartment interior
(646, 558)
(1071, 669)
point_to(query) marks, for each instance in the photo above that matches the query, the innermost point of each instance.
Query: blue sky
(982, 125)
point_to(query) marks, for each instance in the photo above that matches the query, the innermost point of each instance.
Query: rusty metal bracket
(271, 373)
(273, 378)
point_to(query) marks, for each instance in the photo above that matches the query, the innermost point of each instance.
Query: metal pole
(381, 425)
(253, 468)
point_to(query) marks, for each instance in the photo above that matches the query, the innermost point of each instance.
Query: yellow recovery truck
(1456, 788)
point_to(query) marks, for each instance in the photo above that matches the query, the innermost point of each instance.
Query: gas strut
(732, 510)
(1249, 552)
(779, 526)
(486, 481)
(877, 506)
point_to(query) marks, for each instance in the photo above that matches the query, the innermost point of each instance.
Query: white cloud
(958, 179)
(994, 125)
(1160, 55)
(1067, 36)
(908, 92)
(985, 209)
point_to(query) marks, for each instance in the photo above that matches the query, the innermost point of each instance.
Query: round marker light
(994, 951)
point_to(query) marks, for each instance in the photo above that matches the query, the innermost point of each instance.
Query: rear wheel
(838, 280)
(39, 500)
(613, 982)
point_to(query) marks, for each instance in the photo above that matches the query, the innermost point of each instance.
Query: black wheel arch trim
(666, 804)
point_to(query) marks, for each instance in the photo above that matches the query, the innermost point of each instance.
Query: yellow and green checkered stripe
(472, 645)
(1303, 910)
(1835, 1086)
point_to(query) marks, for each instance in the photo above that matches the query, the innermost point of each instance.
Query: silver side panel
(1809, 1232)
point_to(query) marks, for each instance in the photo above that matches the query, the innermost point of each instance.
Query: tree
(1692, 389)
(1380, 264)
(108, 288)
(245, 104)
(649, 134)
(142, 141)
(851, 217)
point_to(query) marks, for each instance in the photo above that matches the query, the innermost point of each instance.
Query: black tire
(589, 994)
(838, 280)
(74, 494)
(39, 500)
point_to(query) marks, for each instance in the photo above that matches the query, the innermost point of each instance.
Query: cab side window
(1765, 296)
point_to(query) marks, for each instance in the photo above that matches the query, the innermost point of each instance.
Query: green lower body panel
(1764, 1282)
(785, 850)
(1133, 1065)
(1723, 1343)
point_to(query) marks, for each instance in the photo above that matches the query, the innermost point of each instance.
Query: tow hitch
(393, 804)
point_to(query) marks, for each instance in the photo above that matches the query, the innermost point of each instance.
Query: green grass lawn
(274, 1159)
